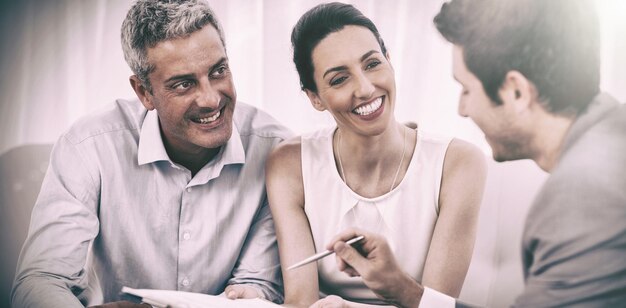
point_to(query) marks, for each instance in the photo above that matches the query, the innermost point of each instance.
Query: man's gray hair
(149, 22)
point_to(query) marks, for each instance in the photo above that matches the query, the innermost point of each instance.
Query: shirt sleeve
(51, 269)
(435, 299)
(258, 263)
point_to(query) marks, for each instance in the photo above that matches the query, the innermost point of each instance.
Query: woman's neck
(371, 165)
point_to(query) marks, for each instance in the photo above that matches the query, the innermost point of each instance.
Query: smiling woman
(405, 184)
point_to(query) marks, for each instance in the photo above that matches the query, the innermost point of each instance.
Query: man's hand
(331, 301)
(235, 291)
(374, 261)
(121, 304)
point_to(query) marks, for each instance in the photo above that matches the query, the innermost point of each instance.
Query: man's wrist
(410, 293)
(257, 288)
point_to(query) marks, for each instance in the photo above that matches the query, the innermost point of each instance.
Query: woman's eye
(337, 81)
(372, 65)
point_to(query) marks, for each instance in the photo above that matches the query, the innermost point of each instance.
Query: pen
(323, 254)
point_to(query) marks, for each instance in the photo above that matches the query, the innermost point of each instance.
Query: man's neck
(193, 161)
(550, 132)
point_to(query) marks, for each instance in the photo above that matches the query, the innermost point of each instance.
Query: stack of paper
(180, 299)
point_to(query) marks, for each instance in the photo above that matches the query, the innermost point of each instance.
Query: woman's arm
(285, 192)
(462, 185)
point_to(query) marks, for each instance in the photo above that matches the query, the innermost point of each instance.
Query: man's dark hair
(317, 24)
(553, 43)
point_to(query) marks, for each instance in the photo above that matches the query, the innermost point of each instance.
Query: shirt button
(185, 282)
(189, 189)
(186, 235)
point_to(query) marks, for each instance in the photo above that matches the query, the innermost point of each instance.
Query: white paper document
(180, 299)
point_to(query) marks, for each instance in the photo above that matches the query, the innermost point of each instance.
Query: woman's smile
(371, 110)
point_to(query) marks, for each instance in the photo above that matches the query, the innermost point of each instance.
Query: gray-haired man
(164, 192)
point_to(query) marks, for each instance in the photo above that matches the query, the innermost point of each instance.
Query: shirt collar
(233, 152)
(151, 148)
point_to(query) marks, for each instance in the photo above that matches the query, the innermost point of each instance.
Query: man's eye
(218, 72)
(183, 85)
(337, 81)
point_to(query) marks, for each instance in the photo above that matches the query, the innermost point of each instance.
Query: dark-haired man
(164, 192)
(530, 72)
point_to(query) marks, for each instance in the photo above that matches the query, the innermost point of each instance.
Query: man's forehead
(202, 46)
(458, 62)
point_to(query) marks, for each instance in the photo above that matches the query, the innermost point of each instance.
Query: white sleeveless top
(406, 216)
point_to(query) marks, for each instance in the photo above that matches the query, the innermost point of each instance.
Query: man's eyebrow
(343, 67)
(219, 62)
(180, 77)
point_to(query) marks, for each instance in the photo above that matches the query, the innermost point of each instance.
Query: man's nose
(462, 110)
(208, 96)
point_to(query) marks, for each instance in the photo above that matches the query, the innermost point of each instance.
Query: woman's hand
(331, 301)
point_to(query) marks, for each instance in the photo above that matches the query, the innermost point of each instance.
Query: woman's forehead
(344, 46)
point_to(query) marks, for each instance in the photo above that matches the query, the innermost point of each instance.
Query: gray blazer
(574, 242)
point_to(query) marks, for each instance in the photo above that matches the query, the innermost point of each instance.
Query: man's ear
(142, 92)
(315, 100)
(517, 90)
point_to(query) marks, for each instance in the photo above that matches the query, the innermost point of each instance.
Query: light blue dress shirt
(115, 211)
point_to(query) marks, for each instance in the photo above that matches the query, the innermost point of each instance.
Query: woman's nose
(364, 87)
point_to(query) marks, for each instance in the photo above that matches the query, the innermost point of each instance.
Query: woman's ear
(143, 93)
(315, 100)
(517, 90)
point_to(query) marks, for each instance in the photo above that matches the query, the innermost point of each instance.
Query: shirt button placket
(185, 235)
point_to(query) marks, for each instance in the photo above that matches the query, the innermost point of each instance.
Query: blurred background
(62, 59)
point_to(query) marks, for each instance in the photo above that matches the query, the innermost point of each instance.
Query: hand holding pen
(375, 263)
(323, 254)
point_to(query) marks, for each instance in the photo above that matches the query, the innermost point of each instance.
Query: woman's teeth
(209, 119)
(369, 108)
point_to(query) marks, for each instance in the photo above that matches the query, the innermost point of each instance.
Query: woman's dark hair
(553, 43)
(314, 26)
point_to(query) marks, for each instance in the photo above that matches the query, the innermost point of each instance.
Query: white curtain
(62, 59)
